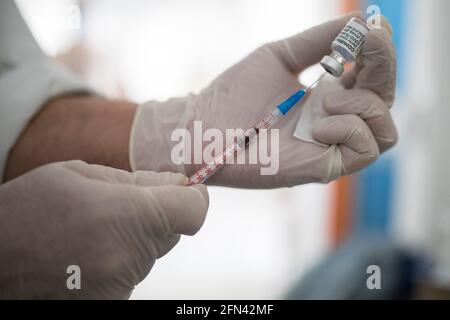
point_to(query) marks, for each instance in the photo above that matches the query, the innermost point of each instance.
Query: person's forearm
(93, 129)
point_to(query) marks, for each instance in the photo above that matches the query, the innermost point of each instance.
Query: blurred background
(312, 241)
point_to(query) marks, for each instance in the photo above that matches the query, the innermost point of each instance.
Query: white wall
(423, 190)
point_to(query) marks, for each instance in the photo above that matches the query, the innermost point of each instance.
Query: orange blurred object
(343, 189)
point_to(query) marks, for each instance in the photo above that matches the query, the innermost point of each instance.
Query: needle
(315, 82)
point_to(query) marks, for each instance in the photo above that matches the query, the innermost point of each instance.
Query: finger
(371, 108)
(379, 65)
(149, 178)
(356, 143)
(97, 172)
(112, 175)
(348, 79)
(184, 207)
(309, 47)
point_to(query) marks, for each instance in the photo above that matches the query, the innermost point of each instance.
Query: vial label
(351, 38)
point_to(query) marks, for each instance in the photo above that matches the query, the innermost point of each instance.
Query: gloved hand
(357, 128)
(110, 223)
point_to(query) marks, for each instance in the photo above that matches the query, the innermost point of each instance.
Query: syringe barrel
(219, 161)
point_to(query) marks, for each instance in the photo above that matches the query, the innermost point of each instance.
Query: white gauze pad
(313, 108)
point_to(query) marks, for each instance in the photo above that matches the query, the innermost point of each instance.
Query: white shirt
(28, 78)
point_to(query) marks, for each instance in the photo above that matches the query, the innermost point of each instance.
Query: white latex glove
(358, 126)
(110, 223)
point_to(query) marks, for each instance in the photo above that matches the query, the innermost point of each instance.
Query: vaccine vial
(346, 47)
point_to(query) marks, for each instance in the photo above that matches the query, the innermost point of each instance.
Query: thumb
(309, 47)
(354, 138)
(184, 207)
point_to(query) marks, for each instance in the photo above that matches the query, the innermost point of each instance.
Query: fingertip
(202, 209)
(203, 189)
(191, 210)
(178, 178)
(173, 178)
(200, 197)
(377, 40)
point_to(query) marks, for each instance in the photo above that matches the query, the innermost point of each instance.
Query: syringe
(242, 141)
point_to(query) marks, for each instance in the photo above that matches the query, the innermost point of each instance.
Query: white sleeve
(28, 78)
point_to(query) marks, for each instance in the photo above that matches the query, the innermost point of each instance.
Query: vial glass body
(346, 47)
